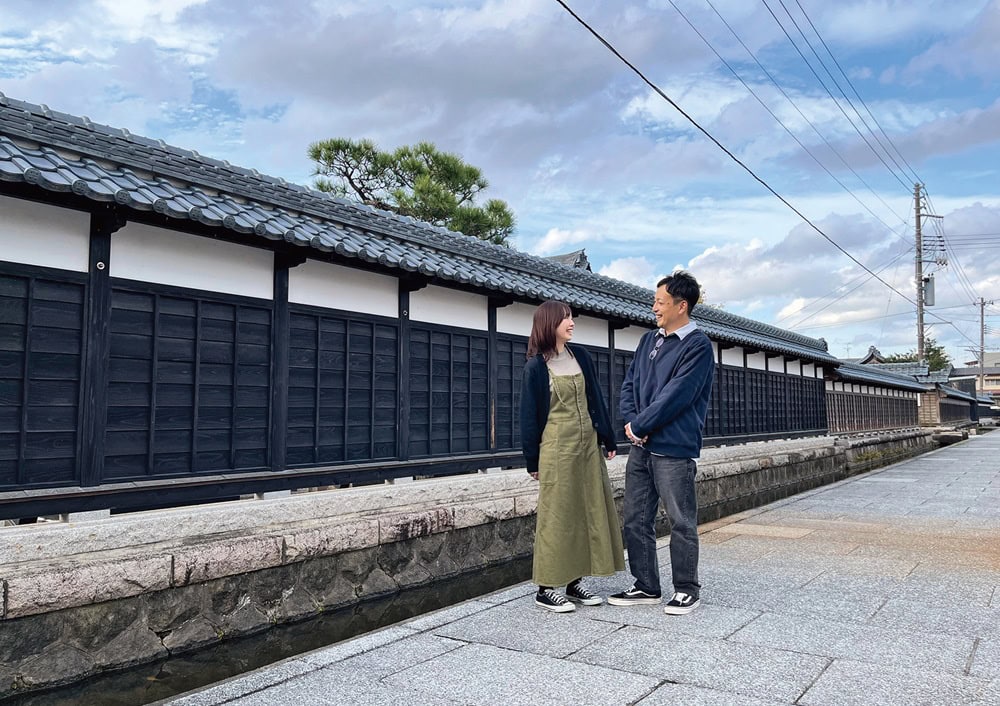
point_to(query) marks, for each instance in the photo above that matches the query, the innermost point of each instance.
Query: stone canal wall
(82, 598)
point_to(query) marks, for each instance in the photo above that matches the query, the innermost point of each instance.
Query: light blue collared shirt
(683, 330)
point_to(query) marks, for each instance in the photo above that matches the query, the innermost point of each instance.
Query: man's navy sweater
(666, 398)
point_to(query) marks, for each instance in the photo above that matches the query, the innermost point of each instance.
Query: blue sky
(584, 152)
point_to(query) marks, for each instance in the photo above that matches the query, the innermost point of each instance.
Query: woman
(563, 419)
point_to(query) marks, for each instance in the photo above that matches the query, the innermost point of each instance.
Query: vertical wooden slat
(451, 392)
(492, 371)
(317, 391)
(197, 385)
(403, 376)
(97, 344)
(154, 358)
(22, 441)
(347, 385)
(280, 328)
(371, 391)
(235, 379)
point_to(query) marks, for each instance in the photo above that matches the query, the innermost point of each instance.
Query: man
(664, 402)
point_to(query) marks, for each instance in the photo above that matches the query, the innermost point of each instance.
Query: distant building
(577, 258)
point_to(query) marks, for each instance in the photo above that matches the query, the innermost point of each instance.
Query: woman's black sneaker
(578, 594)
(556, 602)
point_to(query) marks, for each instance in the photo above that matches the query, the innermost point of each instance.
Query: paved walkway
(882, 589)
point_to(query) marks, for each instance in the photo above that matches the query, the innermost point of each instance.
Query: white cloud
(635, 270)
(558, 240)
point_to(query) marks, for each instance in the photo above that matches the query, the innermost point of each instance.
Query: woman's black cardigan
(535, 396)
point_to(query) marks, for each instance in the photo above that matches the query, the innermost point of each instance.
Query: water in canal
(159, 680)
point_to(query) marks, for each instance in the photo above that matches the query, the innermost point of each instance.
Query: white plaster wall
(757, 361)
(47, 236)
(830, 386)
(515, 319)
(794, 367)
(627, 339)
(715, 351)
(589, 331)
(732, 356)
(776, 364)
(335, 287)
(163, 256)
(450, 307)
(809, 370)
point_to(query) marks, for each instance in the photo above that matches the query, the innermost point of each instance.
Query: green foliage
(417, 181)
(934, 354)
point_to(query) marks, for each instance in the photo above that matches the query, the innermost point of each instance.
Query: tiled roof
(65, 153)
(873, 375)
(955, 393)
(988, 370)
(577, 258)
(901, 368)
(936, 376)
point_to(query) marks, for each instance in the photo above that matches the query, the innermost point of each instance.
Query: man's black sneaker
(634, 596)
(681, 604)
(556, 602)
(578, 594)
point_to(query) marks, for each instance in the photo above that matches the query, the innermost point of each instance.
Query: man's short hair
(682, 285)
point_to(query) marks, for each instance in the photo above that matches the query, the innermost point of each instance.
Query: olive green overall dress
(577, 532)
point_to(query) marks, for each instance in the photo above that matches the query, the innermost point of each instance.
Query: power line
(780, 122)
(829, 92)
(856, 321)
(718, 144)
(963, 278)
(972, 235)
(855, 91)
(834, 79)
(837, 299)
(597, 35)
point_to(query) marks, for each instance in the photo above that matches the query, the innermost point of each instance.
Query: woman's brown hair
(546, 320)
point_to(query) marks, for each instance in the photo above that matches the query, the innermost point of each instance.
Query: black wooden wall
(187, 383)
(757, 404)
(342, 387)
(41, 347)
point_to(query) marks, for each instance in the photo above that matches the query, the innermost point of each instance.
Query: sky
(835, 109)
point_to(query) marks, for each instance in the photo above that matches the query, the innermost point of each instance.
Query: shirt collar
(683, 331)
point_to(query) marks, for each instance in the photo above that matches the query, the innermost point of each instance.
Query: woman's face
(564, 331)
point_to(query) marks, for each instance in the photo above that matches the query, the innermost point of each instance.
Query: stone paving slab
(481, 674)
(388, 659)
(948, 617)
(350, 648)
(523, 627)
(987, 660)
(848, 683)
(710, 620)
(675, 694)
(754, 671)
(863, 643)
(342, 687)
(878, 590)
(248, 684)
(448, 615)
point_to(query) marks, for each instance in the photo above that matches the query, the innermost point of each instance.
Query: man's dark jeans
(649, 479)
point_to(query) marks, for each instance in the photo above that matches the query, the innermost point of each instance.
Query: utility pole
(982, 342)
(919, 274)
(919, 268)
